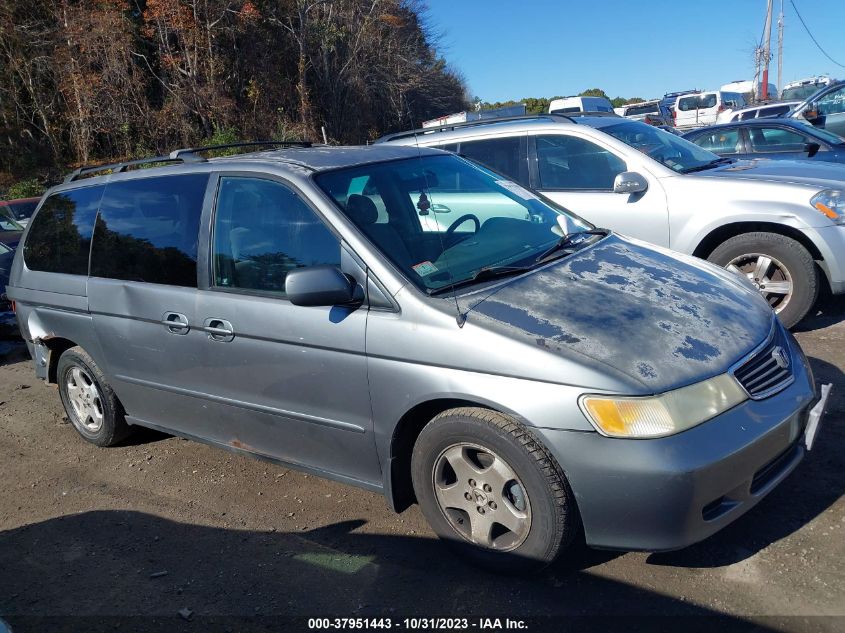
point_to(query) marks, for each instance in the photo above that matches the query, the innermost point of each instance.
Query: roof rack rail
(178, 154)
(184, 155)
(458, 126)
(76, 174)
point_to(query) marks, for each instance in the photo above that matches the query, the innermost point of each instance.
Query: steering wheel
(467, 216)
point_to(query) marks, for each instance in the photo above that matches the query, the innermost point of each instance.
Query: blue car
(778, 138)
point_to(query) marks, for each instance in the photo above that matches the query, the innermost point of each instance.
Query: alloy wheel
(768, 275)
(85, 399)
(481, 497)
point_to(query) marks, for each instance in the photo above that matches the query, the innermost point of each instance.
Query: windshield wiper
(484, 274)
(567, 240)
(710, 165)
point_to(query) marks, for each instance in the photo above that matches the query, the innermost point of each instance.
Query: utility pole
(767, 50)
(780, 50)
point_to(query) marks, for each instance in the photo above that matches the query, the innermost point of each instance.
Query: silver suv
(521, 374)
(778, 223)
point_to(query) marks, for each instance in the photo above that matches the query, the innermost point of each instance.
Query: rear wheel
(781, 268)
(89, 401)
(490, 489)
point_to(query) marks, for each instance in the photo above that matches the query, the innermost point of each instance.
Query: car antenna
(461, 318)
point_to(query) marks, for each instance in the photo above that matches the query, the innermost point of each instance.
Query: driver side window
(575, 164)
(832, 103)
(262, 231)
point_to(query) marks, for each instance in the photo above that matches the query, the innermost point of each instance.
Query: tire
(515, 480)
(791, 265)
(89, 401)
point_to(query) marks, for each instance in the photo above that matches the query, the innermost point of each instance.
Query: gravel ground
(91, 536)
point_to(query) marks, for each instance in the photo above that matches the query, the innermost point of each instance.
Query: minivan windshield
(669, 149)
(445, 221)
(799, 93)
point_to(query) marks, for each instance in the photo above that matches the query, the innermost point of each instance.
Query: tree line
(538, 105)
(85, 81)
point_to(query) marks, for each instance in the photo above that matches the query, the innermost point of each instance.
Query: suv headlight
(664, 414)
(830, 202)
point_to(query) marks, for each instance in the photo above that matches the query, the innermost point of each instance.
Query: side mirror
(812, 149)
(810, 113)
(629, 182)
(321, 286)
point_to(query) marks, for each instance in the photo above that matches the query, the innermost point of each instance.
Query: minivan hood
(816, 173)
(660, 318)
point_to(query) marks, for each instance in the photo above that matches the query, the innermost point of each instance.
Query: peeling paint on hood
(663, 320)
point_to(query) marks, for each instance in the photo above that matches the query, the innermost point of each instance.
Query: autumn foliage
(90, 80)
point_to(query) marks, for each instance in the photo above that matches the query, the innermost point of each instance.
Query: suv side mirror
(629, 182)
(811, 113)
(321, 286)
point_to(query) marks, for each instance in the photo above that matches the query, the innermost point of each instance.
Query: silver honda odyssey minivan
(406, 321)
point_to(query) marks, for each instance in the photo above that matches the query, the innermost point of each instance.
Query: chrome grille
(769, 369)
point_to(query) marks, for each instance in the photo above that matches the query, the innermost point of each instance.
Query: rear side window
(60, 237)
(507, 156)
(148, 230)
(720, 141)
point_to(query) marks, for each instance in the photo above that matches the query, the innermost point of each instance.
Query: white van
(580, 104)
(703, 108)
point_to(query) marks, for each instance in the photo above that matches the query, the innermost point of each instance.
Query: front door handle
(175, 323)
(219, 330)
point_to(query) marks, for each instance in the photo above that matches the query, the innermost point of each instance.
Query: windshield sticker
(514, 188)
(424, 269)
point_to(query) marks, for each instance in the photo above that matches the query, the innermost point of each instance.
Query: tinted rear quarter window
(148, 230)
(507, 155)
(60, 237)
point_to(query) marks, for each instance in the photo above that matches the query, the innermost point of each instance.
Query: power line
(806, 28)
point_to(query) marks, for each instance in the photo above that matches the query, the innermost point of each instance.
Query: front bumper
(668, 493)
(830, 241)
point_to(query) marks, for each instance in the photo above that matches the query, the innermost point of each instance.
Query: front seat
(363, 212)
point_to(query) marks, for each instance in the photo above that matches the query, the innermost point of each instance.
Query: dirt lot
(163, 524)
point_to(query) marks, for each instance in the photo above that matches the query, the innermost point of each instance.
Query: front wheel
(490, 489)
(779, 267)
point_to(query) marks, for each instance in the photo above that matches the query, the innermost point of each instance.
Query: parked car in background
(824, 109)
(19, 210)
(669, 99)
(568, 105)
(762, 111)
(651, 112)
(770, 138)
(778, 223)
(804, 88)
(750, 91)
(8, 322)
(10, 231)
(703, 108)
(505, 378)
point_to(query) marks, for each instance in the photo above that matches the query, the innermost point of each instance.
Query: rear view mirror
(812, 149)
(321, 286)
(629, 182)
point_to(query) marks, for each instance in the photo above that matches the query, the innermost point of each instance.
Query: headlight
(830, 202)
(665, 414)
